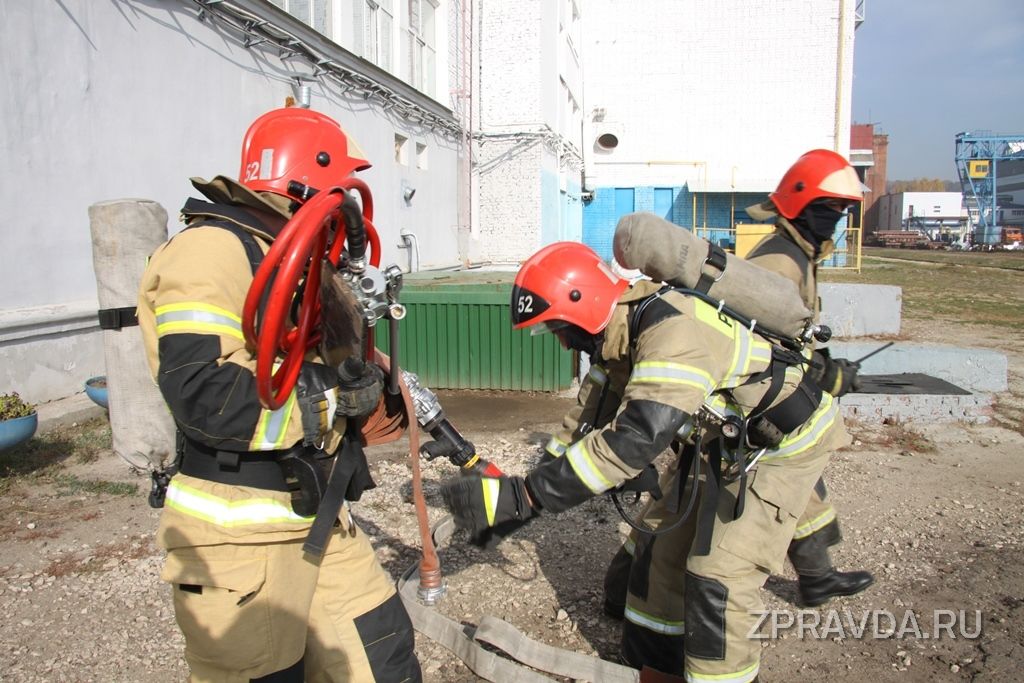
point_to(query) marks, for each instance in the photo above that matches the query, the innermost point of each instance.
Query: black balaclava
(578, 339)
(817, 223)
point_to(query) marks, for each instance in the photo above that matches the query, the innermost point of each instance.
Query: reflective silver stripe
(229, 513)
(761, 351)
(556, 447)
(819, 522)
(273, 426)
(740, 358)
(821, 421)
(672, 373)
(629, 546)
(598, 375)
(743, 676)
(195, 316)
(663, 626)
(585, 468)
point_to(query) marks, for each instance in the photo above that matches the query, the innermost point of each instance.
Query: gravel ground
(933, 510)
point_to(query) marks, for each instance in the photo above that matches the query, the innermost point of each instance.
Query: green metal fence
(458, 335)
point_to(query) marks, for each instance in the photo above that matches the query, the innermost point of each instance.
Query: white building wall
(929, 204)
(722, 96)
(895, 209)
(130, 99)
(527, 160)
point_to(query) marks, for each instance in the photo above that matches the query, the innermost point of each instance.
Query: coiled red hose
(295, 254)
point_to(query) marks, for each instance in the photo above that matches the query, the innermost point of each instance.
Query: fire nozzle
(448, 441)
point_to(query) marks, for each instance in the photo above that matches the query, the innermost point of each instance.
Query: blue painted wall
(676, 204)
(561, 212)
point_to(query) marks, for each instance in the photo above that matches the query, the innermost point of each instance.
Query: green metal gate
(458, 335)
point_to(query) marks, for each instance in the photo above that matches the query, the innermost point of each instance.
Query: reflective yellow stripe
(556, 447)
(742, 676)
(230, 513)
(816, 524)
(629, 546)
(709, 315)
(672, 373)
(663, 626)
(491, 489)
(585, 469)
(196, 317)
(273, 427)
(816, 427)
(598, 375)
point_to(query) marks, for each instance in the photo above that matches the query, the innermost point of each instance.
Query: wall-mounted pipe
(411, 242)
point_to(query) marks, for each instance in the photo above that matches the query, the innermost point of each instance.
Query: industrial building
(493, 127)
(940, 215)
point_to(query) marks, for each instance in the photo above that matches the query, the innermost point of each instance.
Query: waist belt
(258, 470)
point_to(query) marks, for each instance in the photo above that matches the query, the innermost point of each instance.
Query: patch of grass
(1013, 260)
(954, 290)
(41, 454)
(70, 485)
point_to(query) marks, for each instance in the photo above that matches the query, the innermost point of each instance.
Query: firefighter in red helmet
(812, 197)
(661, 362)
(251, 604)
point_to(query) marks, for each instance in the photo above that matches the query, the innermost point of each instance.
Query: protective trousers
(691, 615)
(250, 610)
(816, 530)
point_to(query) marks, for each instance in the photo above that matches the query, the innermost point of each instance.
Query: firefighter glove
(360, 386)
(317, 397)
(837, 376)
(479, 503)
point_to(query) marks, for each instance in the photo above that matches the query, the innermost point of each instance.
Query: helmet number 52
(252, 171)
(525, 304)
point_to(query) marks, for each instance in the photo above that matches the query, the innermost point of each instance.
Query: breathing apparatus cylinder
(124, 233)
(668, 253)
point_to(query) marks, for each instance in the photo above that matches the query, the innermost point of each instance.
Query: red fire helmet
(568, 282)
(297, 144)
(818, 174)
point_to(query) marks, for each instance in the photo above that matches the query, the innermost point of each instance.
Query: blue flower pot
(18, 430)
(96, 389)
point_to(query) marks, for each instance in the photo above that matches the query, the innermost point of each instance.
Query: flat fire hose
(465, 641)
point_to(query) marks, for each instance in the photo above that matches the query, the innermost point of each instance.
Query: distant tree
(918, 185)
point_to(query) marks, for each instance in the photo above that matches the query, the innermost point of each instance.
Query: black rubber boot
(817, 590)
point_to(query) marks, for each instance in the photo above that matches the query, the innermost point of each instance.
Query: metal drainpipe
(840, 69)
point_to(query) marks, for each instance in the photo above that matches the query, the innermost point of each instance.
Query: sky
(925, 70)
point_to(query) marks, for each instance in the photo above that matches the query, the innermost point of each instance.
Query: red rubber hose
(296, 252)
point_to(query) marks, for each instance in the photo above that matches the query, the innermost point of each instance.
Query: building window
(421, 156)
(422, 40)
(401, 149)
(373, 22)
(315, 13)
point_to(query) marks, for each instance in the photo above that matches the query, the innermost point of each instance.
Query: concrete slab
(974, 408)
(977, 370)
(861, 310)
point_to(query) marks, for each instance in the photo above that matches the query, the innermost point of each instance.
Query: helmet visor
(527, 307)
(548, 326)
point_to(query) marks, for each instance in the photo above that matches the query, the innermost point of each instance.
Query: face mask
(578, 339)
(817, 222)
